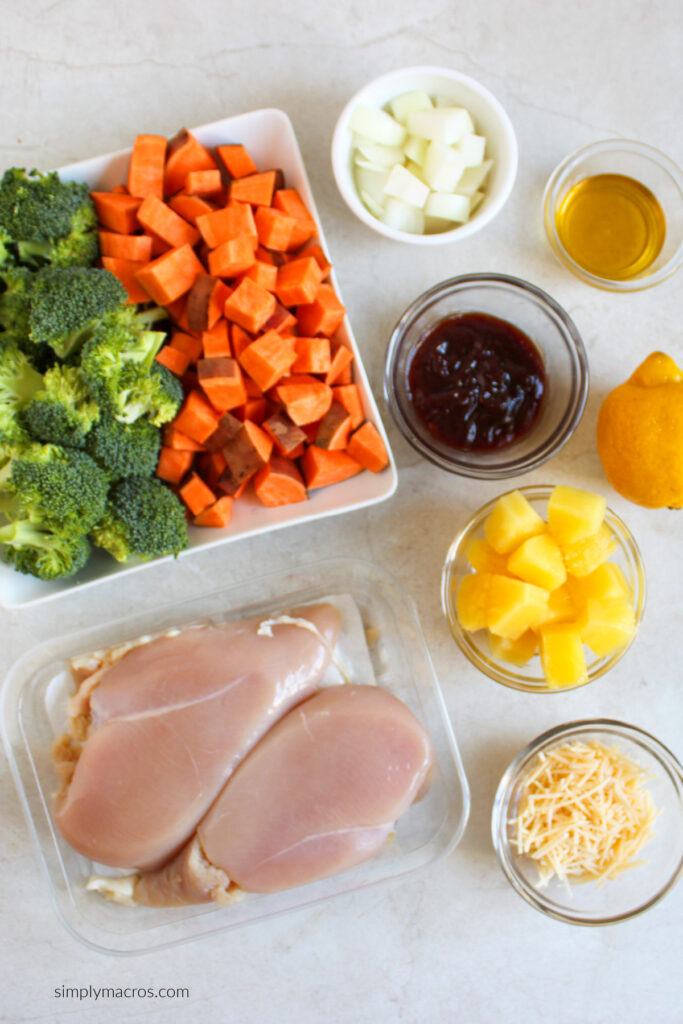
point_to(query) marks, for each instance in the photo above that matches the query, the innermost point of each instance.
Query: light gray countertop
(454, 943)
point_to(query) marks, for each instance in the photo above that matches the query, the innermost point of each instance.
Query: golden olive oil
(611, 225)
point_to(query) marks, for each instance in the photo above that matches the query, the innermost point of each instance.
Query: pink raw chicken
(170, 722)
(319, 794)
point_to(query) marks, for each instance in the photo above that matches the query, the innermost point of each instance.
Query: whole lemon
(640, 434)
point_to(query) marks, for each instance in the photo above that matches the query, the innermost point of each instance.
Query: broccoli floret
(61, 488)
(156, 395)
(48, 220)
(15, 307)
(6, 255)
(67, 303)
(62, 410)
(15, 301)
(76, 250)
(143, 518)
(19, 381)
(41, 552)
(124, 449)
(119, 368)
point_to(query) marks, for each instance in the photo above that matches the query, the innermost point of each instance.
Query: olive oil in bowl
(611, 225)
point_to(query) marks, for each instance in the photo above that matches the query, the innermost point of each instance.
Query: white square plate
(270, 139)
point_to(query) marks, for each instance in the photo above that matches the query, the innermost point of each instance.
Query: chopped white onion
(435, 225)
(443, 166)
(408, 102)
(448, 205)
(377, 125)
(405, 186)
(376, 209)
(372, 181)
(416, 169)
(402, 216)
(472, 148)
(443, 124)
(473, 177)
(415, 149)
(376, 153)
(446, 101)
(422, 170)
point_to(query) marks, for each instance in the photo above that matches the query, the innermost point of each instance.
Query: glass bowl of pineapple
(544, 588)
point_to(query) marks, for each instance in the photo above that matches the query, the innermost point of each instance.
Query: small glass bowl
(553, 333)
(661, 858)
(475, 646)
(635, 160)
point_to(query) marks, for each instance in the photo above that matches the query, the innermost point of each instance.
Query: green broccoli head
(118, 363)
(62, 411)
(39, 551)
(76, 250)
(47, 220)
(67, 303)
(19, 381)
(62, 489)
(11, 430)
(15, 301)
(157, 395)
(124, 449)
(143, 518)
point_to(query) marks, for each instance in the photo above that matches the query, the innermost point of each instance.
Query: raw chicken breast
(320, 793)
(172, 719)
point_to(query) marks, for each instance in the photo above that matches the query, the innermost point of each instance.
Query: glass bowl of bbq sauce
(486, 376)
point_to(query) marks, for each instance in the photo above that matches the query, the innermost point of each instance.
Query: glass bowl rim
(568, 730)
(551, 195)
(573, 344)
(516, 680)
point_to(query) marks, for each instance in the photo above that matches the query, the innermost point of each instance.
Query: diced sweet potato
(286, 434)
(245, 454)
(279, 483)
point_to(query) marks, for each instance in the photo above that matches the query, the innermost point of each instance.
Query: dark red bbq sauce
(477, 382)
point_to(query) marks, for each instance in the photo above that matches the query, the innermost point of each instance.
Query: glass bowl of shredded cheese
(588, 822)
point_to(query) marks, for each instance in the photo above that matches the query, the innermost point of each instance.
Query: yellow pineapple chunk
(562, 654)
(574, 514)
(561, 606)
(583, 556)
(471, 603)
(483, 558)
(606, 581)
(517, 652)
(511, 522)
(607, 625)
(514, 606)
(539, 561)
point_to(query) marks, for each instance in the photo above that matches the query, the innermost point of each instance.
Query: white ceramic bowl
(490, 120)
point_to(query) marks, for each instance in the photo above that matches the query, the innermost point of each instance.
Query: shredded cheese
(584, 813)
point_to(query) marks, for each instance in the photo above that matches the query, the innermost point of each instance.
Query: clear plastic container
(383, 639)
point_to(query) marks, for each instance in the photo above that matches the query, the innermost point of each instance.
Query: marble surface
(453, 943)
